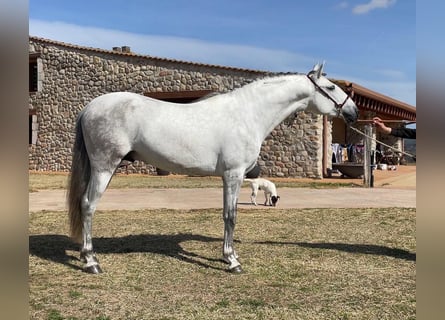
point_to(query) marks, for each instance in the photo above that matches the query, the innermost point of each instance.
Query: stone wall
(71, 76)
(294, 149)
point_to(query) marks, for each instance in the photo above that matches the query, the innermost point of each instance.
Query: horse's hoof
(236, 269)
(83, 257)
(94, 269)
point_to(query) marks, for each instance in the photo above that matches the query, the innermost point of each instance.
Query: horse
(217, 136)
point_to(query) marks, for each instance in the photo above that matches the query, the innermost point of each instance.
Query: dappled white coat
(220, 135)
(206, 137)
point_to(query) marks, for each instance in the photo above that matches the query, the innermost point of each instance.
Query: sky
(369, 42)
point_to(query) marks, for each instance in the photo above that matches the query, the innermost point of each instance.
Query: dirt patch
(403, 177)
(402, 182)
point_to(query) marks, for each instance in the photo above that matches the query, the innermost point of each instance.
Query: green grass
(165, 264)
(45, 181)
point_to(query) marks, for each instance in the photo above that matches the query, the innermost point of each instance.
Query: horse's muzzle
(350, 114)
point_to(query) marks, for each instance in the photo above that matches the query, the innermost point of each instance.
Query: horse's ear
(314, 70)
(317, 70)
(321, 69)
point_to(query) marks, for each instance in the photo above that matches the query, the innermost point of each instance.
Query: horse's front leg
(232, 184)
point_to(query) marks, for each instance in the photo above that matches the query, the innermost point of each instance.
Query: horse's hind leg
(96, 187)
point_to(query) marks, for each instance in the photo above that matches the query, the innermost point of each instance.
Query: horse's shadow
(54, 247)
(371, 249)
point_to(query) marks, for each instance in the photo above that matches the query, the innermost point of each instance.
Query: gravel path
(133, 199)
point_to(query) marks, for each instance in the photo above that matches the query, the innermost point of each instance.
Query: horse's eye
(331, 88)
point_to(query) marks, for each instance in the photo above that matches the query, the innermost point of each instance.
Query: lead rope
(392, 148)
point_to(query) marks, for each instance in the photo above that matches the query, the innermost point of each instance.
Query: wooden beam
(386, 121)
(192, 94)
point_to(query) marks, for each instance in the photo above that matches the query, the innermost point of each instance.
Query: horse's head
(329, 98)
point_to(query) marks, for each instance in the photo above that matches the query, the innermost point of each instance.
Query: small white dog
(270, 191)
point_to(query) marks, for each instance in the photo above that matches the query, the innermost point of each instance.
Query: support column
(368, 176)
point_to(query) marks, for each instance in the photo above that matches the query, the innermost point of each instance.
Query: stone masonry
(70, 76)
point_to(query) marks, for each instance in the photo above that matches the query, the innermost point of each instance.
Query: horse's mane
(271, 79)
(274, 78)
(266, 80)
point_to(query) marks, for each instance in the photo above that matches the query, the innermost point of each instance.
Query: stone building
(63, 78)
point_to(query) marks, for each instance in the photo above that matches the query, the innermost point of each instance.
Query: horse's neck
(278, 99)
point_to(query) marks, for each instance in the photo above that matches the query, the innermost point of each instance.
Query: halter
(338, 106)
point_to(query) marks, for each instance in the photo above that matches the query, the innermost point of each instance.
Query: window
(33, 76)
(30, 129)
(33, 126)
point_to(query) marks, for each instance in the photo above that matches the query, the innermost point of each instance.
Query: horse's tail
(78, 183)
